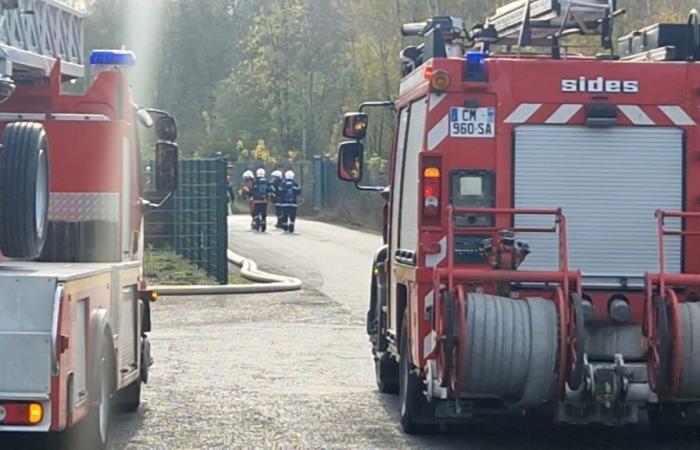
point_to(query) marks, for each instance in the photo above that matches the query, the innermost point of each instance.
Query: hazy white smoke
(144, 37)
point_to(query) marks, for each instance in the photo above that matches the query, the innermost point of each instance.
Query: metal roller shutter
(609, 182)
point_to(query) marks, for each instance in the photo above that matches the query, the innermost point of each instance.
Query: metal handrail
(559, 227)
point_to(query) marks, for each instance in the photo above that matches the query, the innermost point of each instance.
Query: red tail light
(431, 191)
(21, 413)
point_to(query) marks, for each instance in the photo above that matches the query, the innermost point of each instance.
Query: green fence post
(222, 244)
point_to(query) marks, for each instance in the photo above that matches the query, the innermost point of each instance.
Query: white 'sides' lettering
(600, 85)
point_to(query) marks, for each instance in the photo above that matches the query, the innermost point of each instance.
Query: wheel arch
(100, 331)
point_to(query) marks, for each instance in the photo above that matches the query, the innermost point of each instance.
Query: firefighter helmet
(289, 175)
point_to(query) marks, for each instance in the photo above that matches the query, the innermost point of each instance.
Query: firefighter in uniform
(247, 193)
(261, 196)
(290, 196)
(276, 187)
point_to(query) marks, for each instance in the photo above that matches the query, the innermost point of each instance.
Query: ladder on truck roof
(34, 33)
(542, 23)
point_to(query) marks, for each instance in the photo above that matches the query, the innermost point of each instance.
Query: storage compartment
(609, 182)
(657, 36)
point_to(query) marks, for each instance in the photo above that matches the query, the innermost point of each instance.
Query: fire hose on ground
(264, 282)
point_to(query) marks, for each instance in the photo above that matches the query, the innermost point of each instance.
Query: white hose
(264, 282)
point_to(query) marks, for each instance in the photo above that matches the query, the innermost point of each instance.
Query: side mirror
(166, 129)
(166, 126)
(167, 156)
(351, 161)
(144, 118)
(355, 126)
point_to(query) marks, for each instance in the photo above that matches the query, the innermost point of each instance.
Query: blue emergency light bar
(113, 58)
(476, 66)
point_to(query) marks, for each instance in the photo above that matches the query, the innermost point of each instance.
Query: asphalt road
(293, 370)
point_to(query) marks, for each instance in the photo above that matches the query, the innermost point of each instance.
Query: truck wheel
(98, 422)
(386, 371)
(24, 190)
(128, 400)
(416, 414)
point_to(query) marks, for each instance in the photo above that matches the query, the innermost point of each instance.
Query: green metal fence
(186, 241)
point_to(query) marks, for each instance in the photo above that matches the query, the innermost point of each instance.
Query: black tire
(386, 371)
(128, 400)
(24, 190)
(417, 416)
(98, 422)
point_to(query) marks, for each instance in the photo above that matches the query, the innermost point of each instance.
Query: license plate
(473, 122)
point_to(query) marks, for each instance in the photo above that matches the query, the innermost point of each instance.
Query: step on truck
(542, 232)
(74, 308)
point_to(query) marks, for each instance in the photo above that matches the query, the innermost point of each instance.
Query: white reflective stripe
(563, 114)
(79, 117)
(439, 133)
(677, 115)
(435, 100)
(636, 115)
(429, 343)
(434, 260)
(429, 301)
(523, 113)
(21, 116)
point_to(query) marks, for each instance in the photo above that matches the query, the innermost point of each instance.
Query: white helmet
(248, 175)
(260, 173)
(277, 174)
(289, 175)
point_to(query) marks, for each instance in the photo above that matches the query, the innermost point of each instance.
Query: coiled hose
(264, 282)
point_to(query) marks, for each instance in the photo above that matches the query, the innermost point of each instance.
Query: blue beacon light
(476, 66)
(112, 58)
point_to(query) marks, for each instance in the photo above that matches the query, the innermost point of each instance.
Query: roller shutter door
(609, 182)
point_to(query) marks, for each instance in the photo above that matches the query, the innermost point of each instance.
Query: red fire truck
(541, 228)
(74, 309)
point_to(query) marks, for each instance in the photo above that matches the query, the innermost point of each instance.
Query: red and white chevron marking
(538, 113)
(552, 114)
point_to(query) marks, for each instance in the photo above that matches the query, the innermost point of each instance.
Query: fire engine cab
(74, 309)
(542, 238)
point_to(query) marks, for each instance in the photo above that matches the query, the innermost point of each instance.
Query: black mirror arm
(148, 206)
(359, 187)
(385, 104)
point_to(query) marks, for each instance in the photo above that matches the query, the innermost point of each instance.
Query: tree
(283, 71)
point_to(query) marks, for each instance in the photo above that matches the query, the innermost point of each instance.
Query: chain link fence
(187, 239)
(323, 194)
(339, 201)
